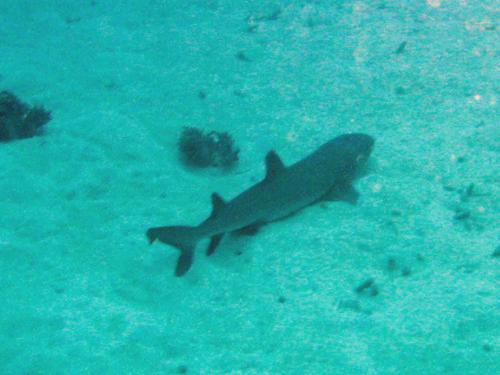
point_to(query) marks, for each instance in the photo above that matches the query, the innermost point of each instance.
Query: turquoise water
(81, 290)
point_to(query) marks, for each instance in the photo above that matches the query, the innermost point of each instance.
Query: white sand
(83, 293)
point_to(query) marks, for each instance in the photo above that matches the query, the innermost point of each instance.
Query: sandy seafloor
(82, 292)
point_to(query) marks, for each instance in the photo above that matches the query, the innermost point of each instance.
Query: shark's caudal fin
(182, 237)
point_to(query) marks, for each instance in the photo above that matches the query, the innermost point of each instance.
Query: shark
(325, 175)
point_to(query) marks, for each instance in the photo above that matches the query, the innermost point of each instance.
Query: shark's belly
(287, 208)
(303, 196)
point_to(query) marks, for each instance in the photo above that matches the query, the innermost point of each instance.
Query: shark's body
(326, 174)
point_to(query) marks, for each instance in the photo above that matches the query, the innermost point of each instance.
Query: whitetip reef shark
(325, 175)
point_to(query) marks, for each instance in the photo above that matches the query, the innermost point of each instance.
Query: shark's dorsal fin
(217, 204)
(274, 165)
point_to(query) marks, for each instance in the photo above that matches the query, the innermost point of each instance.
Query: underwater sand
(81, 290)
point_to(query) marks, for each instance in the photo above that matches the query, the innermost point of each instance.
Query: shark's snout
(358, 145)
(363, 142)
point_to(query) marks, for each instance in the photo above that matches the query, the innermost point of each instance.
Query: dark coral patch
(213, 149)
(18, 120)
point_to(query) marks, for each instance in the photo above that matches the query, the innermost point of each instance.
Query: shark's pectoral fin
(351, 196)
(274, 165)
(249, 230)
(214, 242)
(184, 263)
(345, 193)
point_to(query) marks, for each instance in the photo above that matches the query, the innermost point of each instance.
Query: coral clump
(213, 149)
(18, 120)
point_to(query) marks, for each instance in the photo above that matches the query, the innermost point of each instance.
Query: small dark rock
(272, 16)
(252, 28)
(350, 304)
(461, 215)
(111, 85)
(242, 56)
(373, 290)
(487, 347)
(400, 90)
(310, 23)
(239, 93)
(368, 283)
(468, 267)
(18, 120)
(282, 299)
(401, 48)
(391, 264)
(367, 287)
(71, 20)
(466, 193)
(202, 94)
(265, 17)
(496, 252)
(182, 369)
(406, 271)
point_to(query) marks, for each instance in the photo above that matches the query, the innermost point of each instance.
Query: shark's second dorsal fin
(217, 204)
(274, 165)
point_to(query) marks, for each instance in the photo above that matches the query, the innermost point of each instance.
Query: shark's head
(350, 152)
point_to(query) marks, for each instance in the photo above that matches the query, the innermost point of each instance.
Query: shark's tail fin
(182, 237)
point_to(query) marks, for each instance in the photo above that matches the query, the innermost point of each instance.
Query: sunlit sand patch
(358, 7)
(476, 51)
(291, 136)
(475, 98)
(360, 54)
(434, 3)
(482, 25)
(377, 187)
